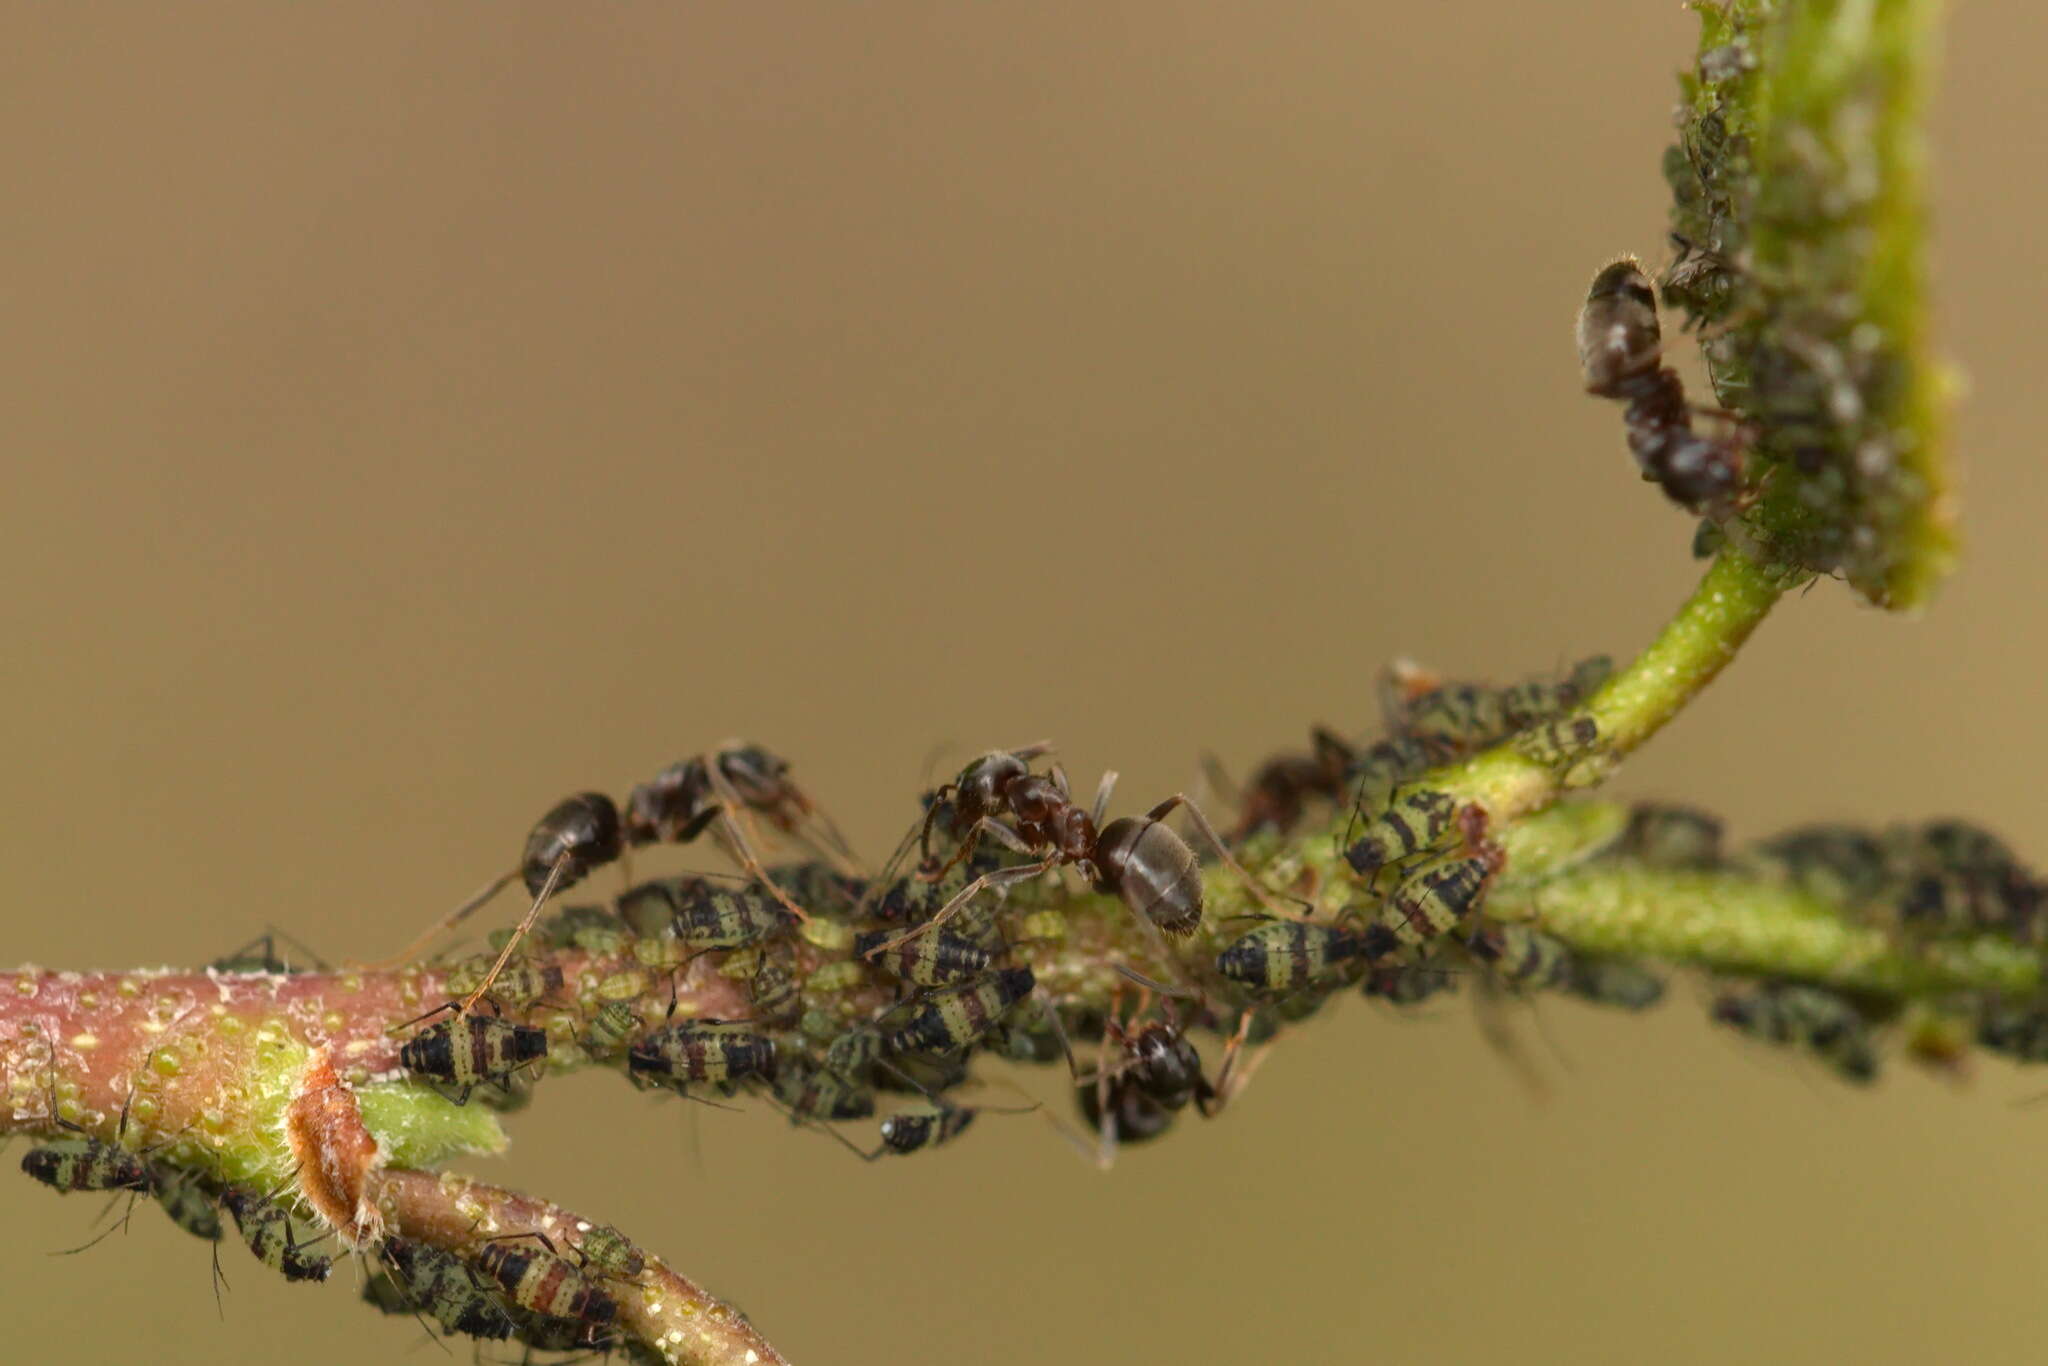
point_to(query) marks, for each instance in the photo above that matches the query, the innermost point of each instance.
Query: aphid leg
(1270, 900)
(1219, 781)
(476, 900)
(547, 889)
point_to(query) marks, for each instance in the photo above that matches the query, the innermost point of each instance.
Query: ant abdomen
(579, 833)
(1155, 872)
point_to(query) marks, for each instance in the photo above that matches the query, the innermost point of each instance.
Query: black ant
(1139, 858)
(1620, 355)
(1155, 1073)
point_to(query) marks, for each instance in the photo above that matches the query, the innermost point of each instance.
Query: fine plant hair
(1455, 842)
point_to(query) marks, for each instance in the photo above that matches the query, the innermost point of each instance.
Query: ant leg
(1102, 791)
(1004, 835)
(1001, 877)
(1227, 1082)
(477, 899)
(734, 838)
(547, 889)
(1208, 832)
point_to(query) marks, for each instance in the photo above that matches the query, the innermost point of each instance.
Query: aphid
(844, 975)
(544, 1283)
(1833, 862)
(260, 955)
(774, 990)
(1620, 356)
(468, 1051)
(1414, 822)
(930, 960)
(948, 1020)
(716, 1052)
(189, 1204)
(729, 786)
(521, 983)
(611, 1253)
(1671, 836)
(1529, 703)
(267, 1228)
(86, 1163)
(2019, 1030)
(1149, 867)
(1564, 743)
(592, 929)
(609, 1029)
(1407, 984)
(709, 917)
(1613, 982)
(430, 1281)
(1433, 901)
(1520, 956)
(918, 1127)
(823, 1093)
(1823, 1023)
(1281, 957)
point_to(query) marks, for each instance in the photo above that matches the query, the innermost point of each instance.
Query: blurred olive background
(417, 413)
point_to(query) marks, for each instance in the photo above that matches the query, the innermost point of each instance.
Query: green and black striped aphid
(719, 1053)
(1956, 878)
(1418, 821)
(932, 960)
(593, 929)
(730, 917)
(813, 1092)
(774, 989)
(468, 1051)
(520, 983)
(1463, 717)
(1433, 901)
(1666, 836)
(266, 1226)
(1519, 956)
(86, 1163)
(1282, 957)
(1564, 743)
(1792, 1013)
(948, 1020)
(441, 1285)
(1839, 863)
(609, 1030)
(1613, 982)
(190, 1205)
(542, 1282)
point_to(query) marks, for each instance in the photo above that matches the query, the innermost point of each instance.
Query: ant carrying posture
(1139, 858)
(1620, 350)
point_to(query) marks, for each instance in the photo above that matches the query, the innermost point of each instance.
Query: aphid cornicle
(1434, 901)
(950, 1019)
(443, 1286)
(468, 1051)
(1620, 356)
(539, 1280)
(930, 960)
(713, 1052)
(267, 1227)
(1281, 957)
